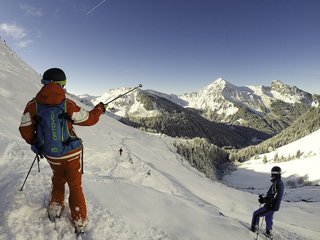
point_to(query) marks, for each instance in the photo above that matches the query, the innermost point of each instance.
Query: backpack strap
(35, 100)
(68, 117)
(65, 114)
(36, 144)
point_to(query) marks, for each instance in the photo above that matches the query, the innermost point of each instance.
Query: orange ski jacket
(53, 94)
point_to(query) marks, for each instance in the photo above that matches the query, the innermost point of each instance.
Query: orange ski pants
(68, 170)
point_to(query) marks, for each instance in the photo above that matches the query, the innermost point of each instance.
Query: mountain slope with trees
(303, 126)
(176, 121)
(253, 114)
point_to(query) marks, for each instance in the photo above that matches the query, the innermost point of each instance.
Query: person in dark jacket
(271, 202)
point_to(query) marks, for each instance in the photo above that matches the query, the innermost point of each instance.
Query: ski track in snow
(27, 219)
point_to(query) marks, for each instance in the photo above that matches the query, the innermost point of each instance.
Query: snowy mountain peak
(220, 97)
(219, 81)
(218, 93)
(218, 86)
(279, 86)
(292, 94)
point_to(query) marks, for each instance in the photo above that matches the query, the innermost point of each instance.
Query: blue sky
(171, 46)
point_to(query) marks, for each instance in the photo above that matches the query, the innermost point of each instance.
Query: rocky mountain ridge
(254, 113)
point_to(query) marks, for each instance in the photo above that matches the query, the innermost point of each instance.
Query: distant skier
(272, 203)
(66, 167)
(120, 151)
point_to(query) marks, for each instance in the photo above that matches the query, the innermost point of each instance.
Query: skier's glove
(261, 199)
(104, 106)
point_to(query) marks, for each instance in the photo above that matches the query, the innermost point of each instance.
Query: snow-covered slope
(300, 176)
(297, 173)
(16, 79)
(147, 193)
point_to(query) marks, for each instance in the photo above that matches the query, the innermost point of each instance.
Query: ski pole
(262, 222)
(121, 95)
(36, 157)
(258, 224)
(81, 155)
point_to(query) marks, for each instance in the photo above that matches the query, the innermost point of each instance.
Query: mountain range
(225, 114)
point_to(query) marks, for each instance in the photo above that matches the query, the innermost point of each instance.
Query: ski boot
(269, 234)
(78, 230)
(80, 226)
(254, 228)
(54, 211)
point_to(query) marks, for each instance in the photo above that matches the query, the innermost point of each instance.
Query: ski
(51, 218)
(242, 223)
(268, 236)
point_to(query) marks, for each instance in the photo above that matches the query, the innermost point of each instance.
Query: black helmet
(55, 75)
(276, 171)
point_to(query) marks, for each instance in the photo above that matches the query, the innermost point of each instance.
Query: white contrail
(95, 7)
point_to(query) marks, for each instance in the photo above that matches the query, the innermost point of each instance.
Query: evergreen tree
(298, 154)
(264, 160)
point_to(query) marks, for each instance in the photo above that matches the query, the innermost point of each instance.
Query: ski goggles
(61, 83)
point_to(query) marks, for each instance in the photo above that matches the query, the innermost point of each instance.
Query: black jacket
(274, 195)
